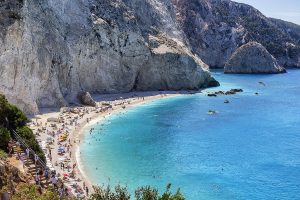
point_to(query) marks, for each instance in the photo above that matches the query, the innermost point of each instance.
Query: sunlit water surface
(250, 150)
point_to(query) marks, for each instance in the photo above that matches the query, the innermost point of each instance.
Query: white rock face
(252, 58)
(51, 50)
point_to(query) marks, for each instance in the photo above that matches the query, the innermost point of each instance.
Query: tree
(4, 138)
(169, 196)
(102, 193)
(11, 117)
(142, 193)
(148, 193)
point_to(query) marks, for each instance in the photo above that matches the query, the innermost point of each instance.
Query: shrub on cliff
(11, 117)
(3, 155)
(102, 193)
(30, 192)
(142, 193)
(29, 138)
(4, 138)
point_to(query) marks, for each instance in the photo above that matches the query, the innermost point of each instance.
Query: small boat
(212, 112)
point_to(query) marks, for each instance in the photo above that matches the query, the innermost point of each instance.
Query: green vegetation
(265, 33)
(29, 138)
(102, 193)
(2, 154)
(5, 137)
(30, 192)
(142, 193)
(148, 193)
(12, 118)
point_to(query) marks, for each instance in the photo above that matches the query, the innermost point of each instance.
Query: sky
(288, 10)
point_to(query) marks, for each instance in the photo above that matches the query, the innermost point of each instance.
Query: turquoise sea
(250, 150)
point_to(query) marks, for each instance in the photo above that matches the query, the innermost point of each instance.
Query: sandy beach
(64, 128)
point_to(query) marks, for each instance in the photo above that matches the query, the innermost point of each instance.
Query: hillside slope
(216, 28)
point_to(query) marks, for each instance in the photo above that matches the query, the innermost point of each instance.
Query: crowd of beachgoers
(58, 135)
(56, 139)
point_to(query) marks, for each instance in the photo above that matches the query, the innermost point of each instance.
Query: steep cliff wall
(216, 28)
(50, 50)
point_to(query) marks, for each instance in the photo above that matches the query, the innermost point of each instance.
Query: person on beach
(54, 181)
(22, 160)
(35, 158)
(87, 191)
(46, 173)
(62, 166)
(27, 152)
(37, 178)
(62, 191)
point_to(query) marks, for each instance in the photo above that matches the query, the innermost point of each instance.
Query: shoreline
(118, 101)
(78, 134)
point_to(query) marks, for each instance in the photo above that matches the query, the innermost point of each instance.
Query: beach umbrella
(61, 148)
(52, 119)
(61, 159)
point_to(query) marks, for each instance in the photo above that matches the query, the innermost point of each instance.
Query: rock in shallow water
(252, 58)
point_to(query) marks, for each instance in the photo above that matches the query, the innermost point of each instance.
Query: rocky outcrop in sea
(252, 58)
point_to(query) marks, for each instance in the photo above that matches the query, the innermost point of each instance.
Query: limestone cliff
(51, 50)
(252, 58)
(216, 28)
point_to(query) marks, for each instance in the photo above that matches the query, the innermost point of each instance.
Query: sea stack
(252, 58)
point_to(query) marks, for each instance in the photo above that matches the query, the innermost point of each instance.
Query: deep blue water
(250, 150)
